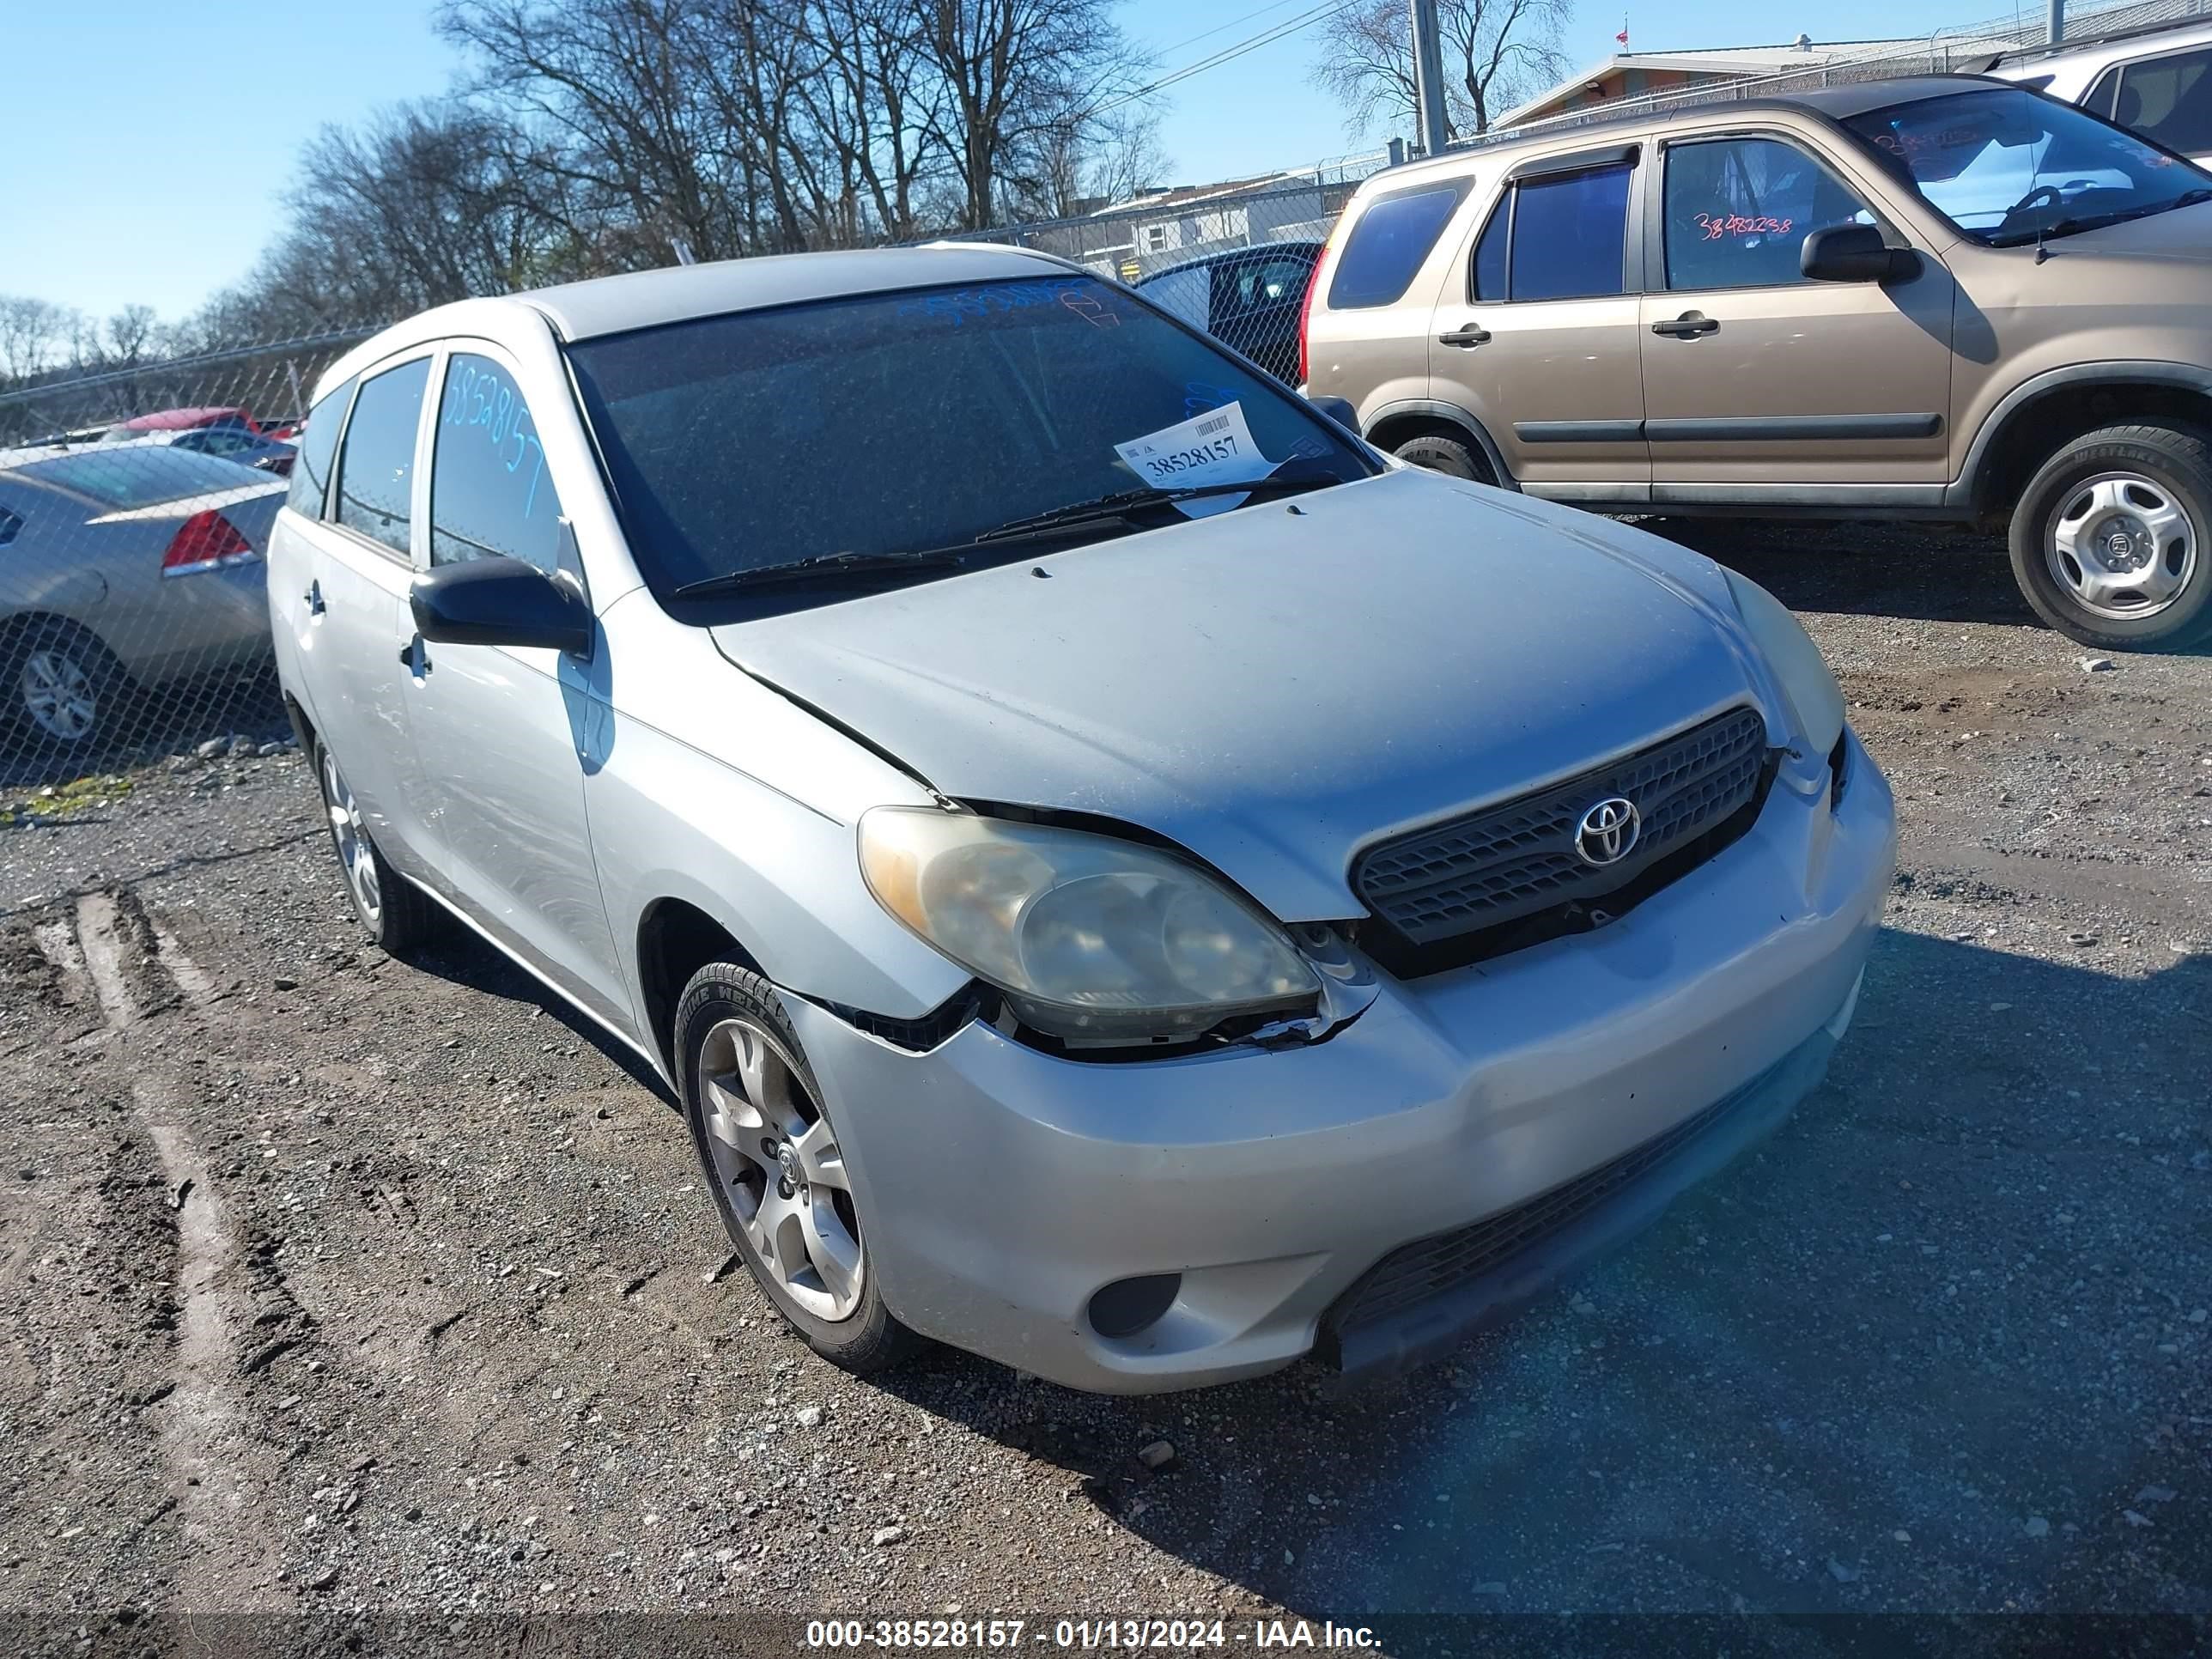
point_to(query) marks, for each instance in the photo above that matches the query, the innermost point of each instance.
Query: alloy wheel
(2122, 546)
(777, 1157)
(58, 696)
(356, 853)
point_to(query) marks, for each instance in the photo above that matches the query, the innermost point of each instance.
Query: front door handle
(1470, 334)
(1687, 327)
(416, 655)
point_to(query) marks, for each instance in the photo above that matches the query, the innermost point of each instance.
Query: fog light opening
(1839, 761)
(1128, 1305)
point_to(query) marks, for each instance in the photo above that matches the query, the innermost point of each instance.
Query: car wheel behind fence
(62, 686)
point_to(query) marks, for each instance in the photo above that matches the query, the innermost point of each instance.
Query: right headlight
(1814, 697)
(1086, 935)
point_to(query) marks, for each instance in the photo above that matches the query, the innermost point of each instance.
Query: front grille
(1428, 1267)
(1509, 861)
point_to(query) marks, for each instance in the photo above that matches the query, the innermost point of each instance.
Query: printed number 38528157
(1182, 460)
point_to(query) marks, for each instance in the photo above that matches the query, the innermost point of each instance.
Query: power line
(1229, 54)
(1223, 28)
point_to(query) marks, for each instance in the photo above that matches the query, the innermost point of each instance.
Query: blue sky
(144, 145)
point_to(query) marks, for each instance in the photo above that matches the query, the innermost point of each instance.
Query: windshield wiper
(820, 565)
(1123, 502)
(2075, 225)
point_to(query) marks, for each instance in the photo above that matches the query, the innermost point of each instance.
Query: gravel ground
(335, 1283)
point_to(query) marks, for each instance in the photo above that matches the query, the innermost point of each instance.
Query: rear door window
(1388, 243)
(1569, 235)
(489, 496)
(376, 473)
(2170, 98)
(318, 444)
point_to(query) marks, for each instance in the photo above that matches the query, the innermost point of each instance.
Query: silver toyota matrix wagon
(1121, 877)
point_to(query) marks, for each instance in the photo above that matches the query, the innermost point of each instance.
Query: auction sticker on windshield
(1212, 448)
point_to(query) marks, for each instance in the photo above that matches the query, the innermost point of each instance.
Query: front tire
(396, 915)
(2111, 541)
(771, 1158)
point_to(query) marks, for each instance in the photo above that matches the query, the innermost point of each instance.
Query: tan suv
(1944, 297)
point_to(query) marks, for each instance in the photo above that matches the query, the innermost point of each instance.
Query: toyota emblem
(1607, 831)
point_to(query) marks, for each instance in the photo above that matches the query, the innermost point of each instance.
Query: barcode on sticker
(1218, 424)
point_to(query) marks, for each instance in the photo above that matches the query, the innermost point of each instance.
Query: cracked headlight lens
(1087, 936)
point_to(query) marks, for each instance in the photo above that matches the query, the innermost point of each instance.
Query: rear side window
(376, 473)
(1568, 234)
(1490, 251)
(1388, 243)
(489, 496)
(2170, 100)
(319, 443)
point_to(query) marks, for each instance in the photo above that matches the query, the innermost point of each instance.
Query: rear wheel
(771, 1160)
(398, 915)
(62, 685)
(2111, 541)
(1449, 456)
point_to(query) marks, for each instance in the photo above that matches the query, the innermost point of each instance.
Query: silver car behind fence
(134, 513)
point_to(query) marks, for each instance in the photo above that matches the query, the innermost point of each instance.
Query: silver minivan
(1112, 872)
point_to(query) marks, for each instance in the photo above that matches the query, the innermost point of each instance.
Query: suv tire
(395, 913)
(2123, 514)
(735, 1042)
(1448, 456)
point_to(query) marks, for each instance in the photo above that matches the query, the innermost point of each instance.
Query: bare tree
(1497, 53)
(34, 335)
(1024, 79)
(127, 334)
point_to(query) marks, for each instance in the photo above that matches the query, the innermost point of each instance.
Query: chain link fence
(135, 509)
(1232, 258)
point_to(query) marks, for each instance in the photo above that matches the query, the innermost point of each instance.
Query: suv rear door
(1758, 383)
(1535, 330)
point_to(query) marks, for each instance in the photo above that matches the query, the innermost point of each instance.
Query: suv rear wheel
(396, 915)
(1446, 455)
(2111, 541)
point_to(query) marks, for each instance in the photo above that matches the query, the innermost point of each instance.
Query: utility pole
(2056, 29)
(1429, 75)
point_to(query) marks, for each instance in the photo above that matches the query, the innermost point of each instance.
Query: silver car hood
(1275, 687)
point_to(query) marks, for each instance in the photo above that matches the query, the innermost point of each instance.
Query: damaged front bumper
(1005, 1188)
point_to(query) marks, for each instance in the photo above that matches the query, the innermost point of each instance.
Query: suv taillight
(205, 541)
(1305, 312)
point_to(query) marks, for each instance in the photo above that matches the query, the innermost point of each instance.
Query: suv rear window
(125, 476)
(1389, 242)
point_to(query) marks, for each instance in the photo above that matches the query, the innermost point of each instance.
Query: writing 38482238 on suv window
(1143, 927)
(1937, 297)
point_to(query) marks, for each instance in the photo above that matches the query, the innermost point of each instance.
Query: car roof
(1838, 103)
(646, 299)
(180, 420)
(1293, 245)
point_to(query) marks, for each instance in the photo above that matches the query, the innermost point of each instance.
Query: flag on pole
(1623, 36)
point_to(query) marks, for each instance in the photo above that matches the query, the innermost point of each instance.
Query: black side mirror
(501, 602)
(1854, 254)
(1339, 409)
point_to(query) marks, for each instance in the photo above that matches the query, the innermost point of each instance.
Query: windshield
(143, 475)
(886, 424)
(2007, 165)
